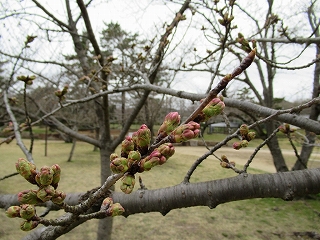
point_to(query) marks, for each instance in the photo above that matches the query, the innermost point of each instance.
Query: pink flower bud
(166, 149)
(185, 132)
(107, 202)
(236, 145)
(13, 211)
(171, 121)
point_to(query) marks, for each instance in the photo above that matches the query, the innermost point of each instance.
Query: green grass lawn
(248, 219)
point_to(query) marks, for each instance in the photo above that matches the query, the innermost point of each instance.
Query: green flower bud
(127, 183)
(115, 210)
(28, 197)
(151, 161)
(46, 193)
(251, 136)
(27, 211)
(28, 225)
(113, 156)
(56, 175)
(185, 132)
(133, 157)
(214, 108)
(26, 170)
(127, 145)
(13, 211)
(119, 165)
(244, 143)
(45, 176)
(142, 138)
(171, 121)
(244, 130)
(58, 197)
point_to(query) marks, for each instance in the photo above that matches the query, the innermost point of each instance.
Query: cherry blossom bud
(107, 202)
(149, 162)
(27, 211)
(224, 158)
(113, 156)
(236, 145)
(119, 165)
(185, 132)
(28, 225)
(56, 175)
(46, 193)
(115, 210)
(58, 197)
(45, 176)
(214, 108)
(127, 145)
(244, 143)
(142, 138)
(13, 211)
(244, 130)
(133, 157)
(166, 149)
(127, 183)
(28, 197)
(171, 121)
(251, 136)
(26, 170)
(224, 164)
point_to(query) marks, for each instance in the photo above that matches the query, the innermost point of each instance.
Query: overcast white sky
(146, 17)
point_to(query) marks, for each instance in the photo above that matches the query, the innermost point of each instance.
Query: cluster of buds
(26, 212)
(225, 163)
(226, 20)
(61, 93)
(245, 44)
(158, 157)
(185, 132)
(214, 108)
(171, 121)
(47, 179)
(110, 208)
(285, 128)
(28, 80)
(246, 137)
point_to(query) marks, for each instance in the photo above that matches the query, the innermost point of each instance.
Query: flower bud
(214, 108)
(251, 136)
(141, 139)
(166, 149)
(224, 164)
(127, 183)
(28, 197)
(236, 145)
(119, 165)
(113, 156)
(58, 197)
(133, 157)
(107, 202)
(28, 225)
(46, 193)
(244, 130)
(13, 211)
(127, 145)
(27, 211)
(115, 210)
(56, 175)
(224, 158)
(45, 176)
(26, 170)
(185, 132)
(171, 121)
(244, 143)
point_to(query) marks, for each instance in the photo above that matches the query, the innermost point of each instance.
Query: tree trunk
(105, 225)
(273, 144)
